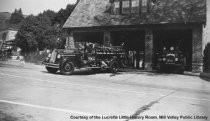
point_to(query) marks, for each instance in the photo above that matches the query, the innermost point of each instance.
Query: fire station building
(143, 26)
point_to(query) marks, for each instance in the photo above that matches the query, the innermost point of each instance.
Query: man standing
(18, 53)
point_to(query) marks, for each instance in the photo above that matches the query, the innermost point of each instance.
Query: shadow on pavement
(7, 117)
(149, 73)
(86, 72)
(161, 74)
(205, 79)
(91, 72)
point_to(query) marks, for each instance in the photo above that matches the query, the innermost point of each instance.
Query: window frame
(141, 8)
(128, 7)
(144, 6)
(114, 8)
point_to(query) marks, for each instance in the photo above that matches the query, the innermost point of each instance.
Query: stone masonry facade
(87, 16)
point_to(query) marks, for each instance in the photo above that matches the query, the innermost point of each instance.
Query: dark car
(90, 56)
(171, 61)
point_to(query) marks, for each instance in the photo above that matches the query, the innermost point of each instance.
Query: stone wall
(206, 30)
(148, 49)
(70, 42)
(197, 55)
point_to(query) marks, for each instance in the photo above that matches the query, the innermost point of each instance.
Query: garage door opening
(133, 44)
(181, 39)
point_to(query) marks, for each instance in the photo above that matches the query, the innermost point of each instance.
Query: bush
(36, 57)
(206, 59)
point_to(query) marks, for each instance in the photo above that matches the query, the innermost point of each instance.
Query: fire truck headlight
(159, 59)
(58, 56)
(49, 55)
(164, 59)
(47, 59)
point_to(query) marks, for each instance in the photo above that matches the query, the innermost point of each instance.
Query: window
(130, 6)
(135, 6)
(116, 7)
(144, 6)
(125, 6)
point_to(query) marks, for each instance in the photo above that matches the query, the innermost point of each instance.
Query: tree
(43, 31)
(26, 36)
(37, 33)
(16, 16)
(50, 14)
(63, 14)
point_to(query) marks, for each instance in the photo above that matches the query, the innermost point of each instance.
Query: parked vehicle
(171, 61)
(89, 55)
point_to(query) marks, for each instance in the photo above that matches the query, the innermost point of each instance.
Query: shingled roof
(93, 13)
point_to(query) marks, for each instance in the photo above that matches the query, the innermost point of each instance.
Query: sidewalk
(17, 63)
(154, 71)
(205, 75)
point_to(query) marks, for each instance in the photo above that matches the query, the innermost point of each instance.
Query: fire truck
(85, 55)
(171, 60)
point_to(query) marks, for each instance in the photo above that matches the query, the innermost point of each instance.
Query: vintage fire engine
(171, 61)
(87, 55)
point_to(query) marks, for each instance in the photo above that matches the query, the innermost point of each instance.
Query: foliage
(36, 33)
(206, 58)
(63, 14)
(16, 17)
(26, 36)
(43, 31)
(50, 14)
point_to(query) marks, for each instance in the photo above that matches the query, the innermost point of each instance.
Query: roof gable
(89, 13)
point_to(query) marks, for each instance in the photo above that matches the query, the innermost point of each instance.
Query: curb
(154, 71)
(205, 75)
(17, 63)
(191, 73)
(11, 62)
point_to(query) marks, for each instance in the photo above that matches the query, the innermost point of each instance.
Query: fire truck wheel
(114, 66)
(181, 70)
(51, 70)
(96, 70)
(67, 68)
(161, 69)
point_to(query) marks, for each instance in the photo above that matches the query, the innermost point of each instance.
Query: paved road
(29, 93)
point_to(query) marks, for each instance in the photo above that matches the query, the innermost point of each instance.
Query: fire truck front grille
(170, 58)
(53, 57)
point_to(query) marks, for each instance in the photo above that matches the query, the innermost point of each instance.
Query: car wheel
(51, 70)
(67, 68)
(114, 66)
